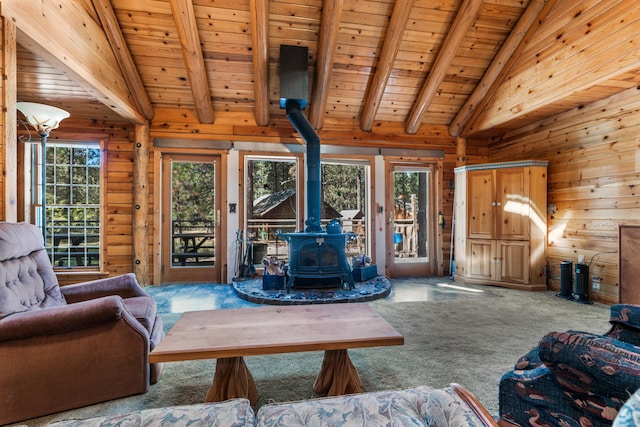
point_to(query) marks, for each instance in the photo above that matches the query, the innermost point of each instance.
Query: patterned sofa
(575, 378)
(419, 406)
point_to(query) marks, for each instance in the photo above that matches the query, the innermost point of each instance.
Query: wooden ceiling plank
(500, 66)
(260, 42)
(123, 56)
(329, 28)
(466, 16)
(383, 70)
(607, 51)
(559, 97)
(185, 20)
(61, 33)
(564, 18)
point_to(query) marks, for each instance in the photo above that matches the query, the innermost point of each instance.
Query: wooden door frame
(435, 263)
(158, 190)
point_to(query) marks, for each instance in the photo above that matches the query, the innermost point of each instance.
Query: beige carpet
(472, 340)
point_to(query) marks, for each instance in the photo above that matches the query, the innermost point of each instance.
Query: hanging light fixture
(44, 119)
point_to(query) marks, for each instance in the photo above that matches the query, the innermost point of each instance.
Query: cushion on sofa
(411, 407)
(532, 397)
(230, 413)
(588, 363)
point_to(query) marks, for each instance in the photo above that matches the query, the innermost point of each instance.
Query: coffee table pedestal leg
(232, 379)
(338, 375)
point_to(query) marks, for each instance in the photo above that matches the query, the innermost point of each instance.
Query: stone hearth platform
(369, 290)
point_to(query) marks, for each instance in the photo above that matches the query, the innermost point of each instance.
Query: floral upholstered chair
(629, 414)
(575, 378)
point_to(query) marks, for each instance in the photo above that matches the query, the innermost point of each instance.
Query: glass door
(344, 196)
(272, 207)
(190, 219)
(412, 219)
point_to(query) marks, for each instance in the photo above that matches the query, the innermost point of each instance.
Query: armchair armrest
(125, 286)
(62, 319)
(474, 405)
(625, 323)
(584, 362)
(626, 314)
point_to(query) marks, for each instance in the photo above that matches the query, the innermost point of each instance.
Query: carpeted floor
(468, 340)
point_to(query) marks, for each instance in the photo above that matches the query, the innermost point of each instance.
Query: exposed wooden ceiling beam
(378, 83)
(260, 49)
(466, 16)
(40, 25)
(500, 66)
(327, 45)
(185, 20)
(121, 51)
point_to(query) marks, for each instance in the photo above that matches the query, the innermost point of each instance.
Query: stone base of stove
(369, 290)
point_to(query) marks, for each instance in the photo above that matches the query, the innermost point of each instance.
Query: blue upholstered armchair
(575, 378)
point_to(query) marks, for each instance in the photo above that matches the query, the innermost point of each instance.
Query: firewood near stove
(273, 267)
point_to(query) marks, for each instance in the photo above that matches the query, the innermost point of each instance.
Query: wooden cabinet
(499, 260)
(500, 224)
(496, 209)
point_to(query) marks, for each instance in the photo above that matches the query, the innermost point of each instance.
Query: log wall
(119, 143)
(594, 168)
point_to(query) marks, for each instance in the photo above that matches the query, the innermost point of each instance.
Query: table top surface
(274, 329)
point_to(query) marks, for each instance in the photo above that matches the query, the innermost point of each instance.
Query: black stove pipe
(306, 131)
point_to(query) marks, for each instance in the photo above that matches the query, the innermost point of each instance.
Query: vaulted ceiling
(475, 67)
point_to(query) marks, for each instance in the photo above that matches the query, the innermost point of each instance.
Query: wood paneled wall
(594, 169)
(118, 143)
(118, 155)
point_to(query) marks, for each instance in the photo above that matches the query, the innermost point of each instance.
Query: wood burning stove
(317, 257)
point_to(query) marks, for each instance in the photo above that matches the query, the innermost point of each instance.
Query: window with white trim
(72, 204)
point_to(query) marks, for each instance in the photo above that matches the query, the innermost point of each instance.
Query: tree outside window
(73, 204)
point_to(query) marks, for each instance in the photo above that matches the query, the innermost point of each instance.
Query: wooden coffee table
(230, 334)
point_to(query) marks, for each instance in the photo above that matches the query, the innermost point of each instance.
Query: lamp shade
(43, 118)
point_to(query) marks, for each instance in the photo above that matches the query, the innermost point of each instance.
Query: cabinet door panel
(513, 265)
(480, 212)
(512, 212)
(481, 257)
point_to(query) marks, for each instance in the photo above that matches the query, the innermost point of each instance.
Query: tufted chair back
(27, 280)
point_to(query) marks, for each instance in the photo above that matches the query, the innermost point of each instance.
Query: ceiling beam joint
(378, 84)
(466, 16)
(327, 45)
(130, 73)
(185, 20)
(502, 63)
